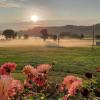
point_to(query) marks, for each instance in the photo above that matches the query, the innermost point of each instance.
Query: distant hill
(68, 29)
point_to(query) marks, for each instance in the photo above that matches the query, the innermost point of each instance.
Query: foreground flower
(44, 68)
(28, 84)
(72, 84)
(37, 75)
(7, 68)
(28, 69)
(61, 88)
(5, 82)
(68, 80)
(74, 87)
(15, 87)
(39, 80)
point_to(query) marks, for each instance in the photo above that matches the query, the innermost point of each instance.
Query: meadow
(68, 60)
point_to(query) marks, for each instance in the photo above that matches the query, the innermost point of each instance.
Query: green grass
(68, 60)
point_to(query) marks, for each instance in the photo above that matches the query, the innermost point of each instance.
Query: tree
(64, 34)
(54, 37)
(44, 34)
(9, 34)
(58, 37)
(81, 36)
(15, 35)
(26, 36)
(97, 36)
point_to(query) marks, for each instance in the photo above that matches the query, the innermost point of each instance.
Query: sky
(17, 13)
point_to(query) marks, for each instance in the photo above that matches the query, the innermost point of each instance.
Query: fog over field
(49, 42)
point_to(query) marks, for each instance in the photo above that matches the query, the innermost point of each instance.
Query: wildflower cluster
(36, 86)
(10, 88)
(7, 68)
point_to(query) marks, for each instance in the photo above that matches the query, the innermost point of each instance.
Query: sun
(34, 18)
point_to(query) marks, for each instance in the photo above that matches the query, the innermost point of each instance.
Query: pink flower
(5, 82)
(61, 88)
(44, 68)
(28, 69)
(15, 87)
(39, 80)
(27, 84)
(68, 80)
(72, 83)
(34, 75)
(2, 71)
(9, 87)
(7, 68)
(75, 85)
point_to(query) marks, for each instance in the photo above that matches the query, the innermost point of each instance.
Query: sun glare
(34, 18)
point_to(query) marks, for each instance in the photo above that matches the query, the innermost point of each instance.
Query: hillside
(68, 29)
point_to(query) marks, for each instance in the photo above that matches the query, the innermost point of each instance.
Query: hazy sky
(50, 12)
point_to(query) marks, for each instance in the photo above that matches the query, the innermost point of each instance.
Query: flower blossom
(44, 68)
(72, 83)
(5, 82)
(27, 83)
(73, 89)
(61, 88)
(28, 69)
(68, 80)
(33, 75)
(7, 68)
(39, 80)
(15, 87)
(9, 87)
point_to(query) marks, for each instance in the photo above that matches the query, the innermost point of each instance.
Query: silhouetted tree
(97, 36)
(64, 34)
(44, 34)
(9, 34)
(81, 36)
(26, 36)
(58, 38)
(15, 35)
(54, 37)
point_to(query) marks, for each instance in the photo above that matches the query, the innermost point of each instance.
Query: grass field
(68, 60)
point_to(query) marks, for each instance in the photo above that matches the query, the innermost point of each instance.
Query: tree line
(11, 34)
(46, 35)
